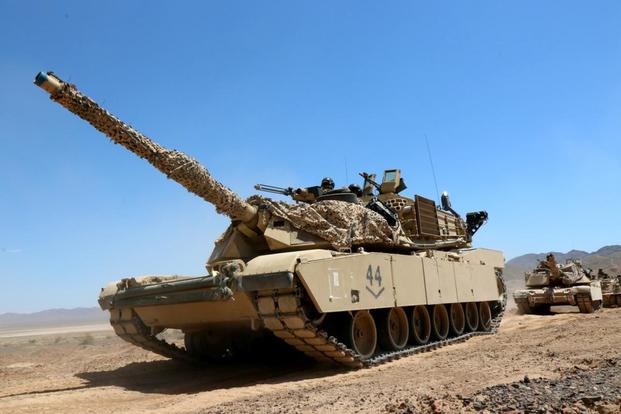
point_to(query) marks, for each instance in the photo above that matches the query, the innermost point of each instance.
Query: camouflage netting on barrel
(342, 224)
(176, 165)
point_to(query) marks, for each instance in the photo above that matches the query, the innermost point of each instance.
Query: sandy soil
(81, 372)
(54, 330)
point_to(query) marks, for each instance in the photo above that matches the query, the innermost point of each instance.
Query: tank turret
(259, 225)
(341, 219)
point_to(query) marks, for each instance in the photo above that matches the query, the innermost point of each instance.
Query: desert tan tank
(611, 289)
(552, 284)
(353, 276)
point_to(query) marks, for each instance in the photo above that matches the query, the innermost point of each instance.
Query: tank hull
(298, 296)
(587, 297)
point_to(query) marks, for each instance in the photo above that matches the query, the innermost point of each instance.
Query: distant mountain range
(607, 258)
(53, 317)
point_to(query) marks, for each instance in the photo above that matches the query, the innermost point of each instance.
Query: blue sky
(520, 101)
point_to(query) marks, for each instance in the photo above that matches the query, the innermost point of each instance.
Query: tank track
(129, 327)
(583, 301)
(586, 304)
(524, 307)
(284, 315)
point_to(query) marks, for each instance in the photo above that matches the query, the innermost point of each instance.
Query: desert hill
(53, 317)
(607, 258)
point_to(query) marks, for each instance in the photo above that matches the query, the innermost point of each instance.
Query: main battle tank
(350, 277)
(611, 289)
(551, 284)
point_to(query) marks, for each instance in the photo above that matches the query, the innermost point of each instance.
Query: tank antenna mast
(433, 170)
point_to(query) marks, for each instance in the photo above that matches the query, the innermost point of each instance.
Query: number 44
(377, 276)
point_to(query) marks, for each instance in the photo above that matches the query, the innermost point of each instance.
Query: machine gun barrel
(176, 165)
(274, 190)
(368, 179)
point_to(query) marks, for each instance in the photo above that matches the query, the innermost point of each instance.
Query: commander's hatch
(392, 182)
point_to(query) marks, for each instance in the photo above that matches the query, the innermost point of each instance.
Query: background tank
(351, 277)
(551, 284)
(611, 288)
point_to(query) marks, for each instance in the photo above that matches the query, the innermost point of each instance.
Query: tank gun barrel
(174, 164)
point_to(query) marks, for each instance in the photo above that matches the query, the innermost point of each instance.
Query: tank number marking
(374, 277)
(377, 277)
(335, 279)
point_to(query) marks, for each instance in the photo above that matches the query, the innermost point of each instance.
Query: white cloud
(10, 251)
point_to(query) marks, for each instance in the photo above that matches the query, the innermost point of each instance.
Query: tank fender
(353, 281)
(145, 290)
(593, 289)
(596, 291)
(276, 271)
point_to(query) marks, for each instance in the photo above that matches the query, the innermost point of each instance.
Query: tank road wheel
(393, 328)
(440, 322)
(362, 334)
(485, 317)
(421, 325)
(472, 316)
(458, 319)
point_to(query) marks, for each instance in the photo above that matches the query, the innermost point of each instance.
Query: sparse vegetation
(87, 340)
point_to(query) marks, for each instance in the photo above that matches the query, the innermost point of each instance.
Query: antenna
(346, 173)
(433, 170)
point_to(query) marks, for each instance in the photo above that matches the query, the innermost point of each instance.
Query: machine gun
(305, 194)
(275, 190)
(369, 179)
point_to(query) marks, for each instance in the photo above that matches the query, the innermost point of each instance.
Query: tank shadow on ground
(173, 377)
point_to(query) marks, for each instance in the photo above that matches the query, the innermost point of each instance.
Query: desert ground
(556, 363)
